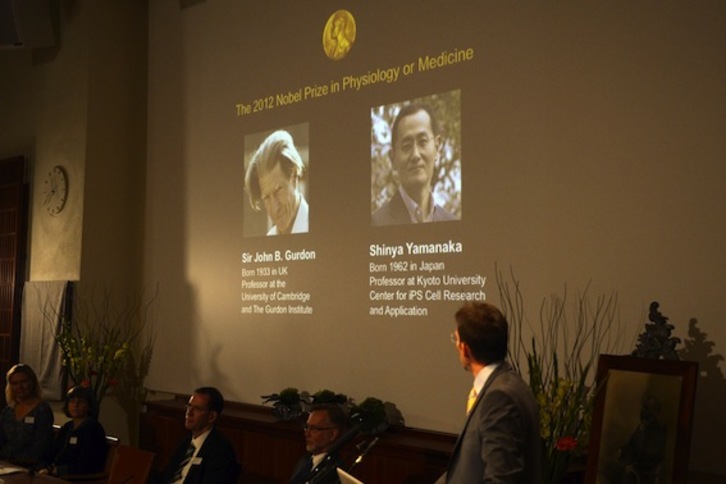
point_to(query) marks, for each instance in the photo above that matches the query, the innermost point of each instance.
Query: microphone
(326, 470)
(365, 451)
(364, 448)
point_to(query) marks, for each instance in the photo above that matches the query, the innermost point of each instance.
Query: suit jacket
(394, 212)
(217, 462)
(501, 440)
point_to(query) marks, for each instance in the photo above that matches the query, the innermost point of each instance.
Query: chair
(113, 444)
(130, 465)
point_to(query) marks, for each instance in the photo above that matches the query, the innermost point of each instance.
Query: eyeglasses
(315, 428)
(453, 338)
(196, 408)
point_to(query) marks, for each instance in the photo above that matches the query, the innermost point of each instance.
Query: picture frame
(642, 420)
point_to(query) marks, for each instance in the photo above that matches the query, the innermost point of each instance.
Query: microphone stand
(363, 453)
(326, 472)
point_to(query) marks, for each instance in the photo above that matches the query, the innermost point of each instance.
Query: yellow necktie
(471, 400)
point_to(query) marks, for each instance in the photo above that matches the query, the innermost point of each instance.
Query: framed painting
(641, 424)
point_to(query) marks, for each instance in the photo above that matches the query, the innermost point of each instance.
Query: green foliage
(372, 414)
(288, 396)
(101, 346)
(560, 359)
(93, 357)
(329, 396)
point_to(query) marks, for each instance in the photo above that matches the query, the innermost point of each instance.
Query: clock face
(55, 190)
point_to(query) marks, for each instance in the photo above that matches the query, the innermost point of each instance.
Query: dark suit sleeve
(503, 435)
(393, 212)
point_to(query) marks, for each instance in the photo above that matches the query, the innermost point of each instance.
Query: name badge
(29, 419)
(73, 440)
(196, 461)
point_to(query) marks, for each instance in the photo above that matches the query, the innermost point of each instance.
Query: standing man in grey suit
(500, 441)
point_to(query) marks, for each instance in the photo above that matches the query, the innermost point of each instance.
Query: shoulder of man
(441, 214)
(217, 442)
(392, 212)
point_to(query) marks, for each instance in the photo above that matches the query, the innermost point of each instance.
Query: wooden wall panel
(269, 448)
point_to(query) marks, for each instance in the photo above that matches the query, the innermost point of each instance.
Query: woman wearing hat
(80, 446)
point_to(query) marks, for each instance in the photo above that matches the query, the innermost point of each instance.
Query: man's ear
(465, 350)
(213, 416)
(390, 158)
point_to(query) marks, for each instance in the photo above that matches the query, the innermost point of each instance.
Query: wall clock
(55, 190)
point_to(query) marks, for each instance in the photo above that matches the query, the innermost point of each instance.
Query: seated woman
(26, 423)
(80, 446)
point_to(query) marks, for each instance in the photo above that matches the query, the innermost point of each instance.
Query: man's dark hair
(216, 400)
(409, 110)
(337, 415)
(485, 330)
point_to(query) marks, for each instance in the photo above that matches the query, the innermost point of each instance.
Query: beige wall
(82, 104)
(592, 141)
(45, 92)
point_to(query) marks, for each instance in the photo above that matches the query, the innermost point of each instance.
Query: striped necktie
(471, 400)
(187, 457)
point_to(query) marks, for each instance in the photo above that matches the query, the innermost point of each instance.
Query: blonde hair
(277, 149)
(27, 371)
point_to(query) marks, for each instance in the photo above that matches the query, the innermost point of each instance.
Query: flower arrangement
(93, 358)
(560, 360)
(101, 347)
(566, 405)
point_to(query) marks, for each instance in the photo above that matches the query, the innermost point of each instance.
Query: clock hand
(49, 197)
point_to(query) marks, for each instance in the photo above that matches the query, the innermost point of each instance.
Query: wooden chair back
(113, 444)
(98, 477)
(130, 465)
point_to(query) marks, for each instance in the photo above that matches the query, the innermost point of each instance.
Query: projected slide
(393, 128)
(329, 181)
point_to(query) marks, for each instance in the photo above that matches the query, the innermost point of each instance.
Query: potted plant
(559, 364)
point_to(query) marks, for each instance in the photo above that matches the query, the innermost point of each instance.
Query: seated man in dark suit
(326, 423)
(206, 457)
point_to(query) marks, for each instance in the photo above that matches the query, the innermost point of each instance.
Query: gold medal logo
(339, 34)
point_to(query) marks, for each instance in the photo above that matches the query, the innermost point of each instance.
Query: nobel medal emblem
(339, 34)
